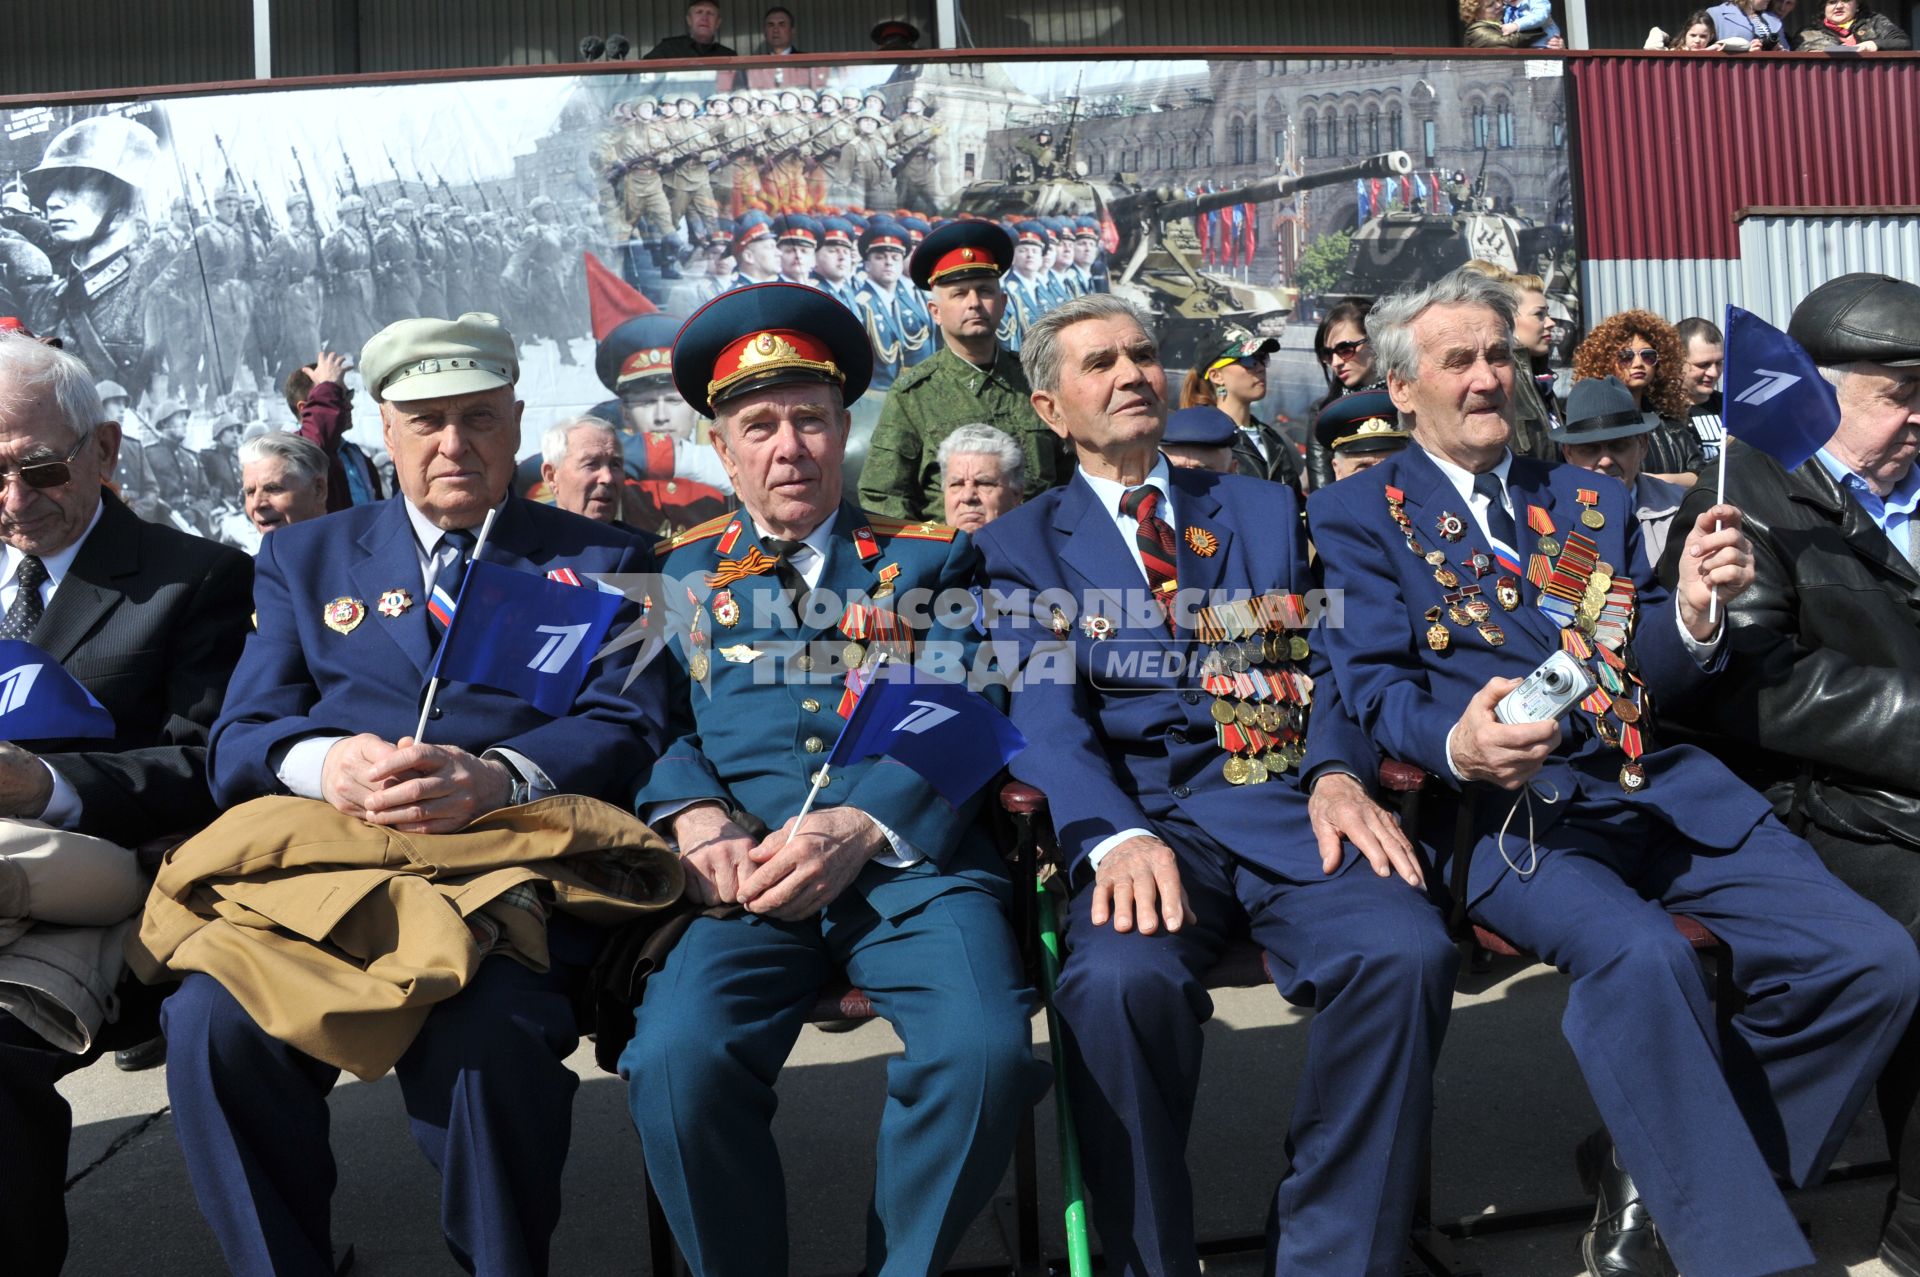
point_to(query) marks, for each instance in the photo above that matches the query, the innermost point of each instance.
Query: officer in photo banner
(150, 621)
(972, 379)
(1464, 568)
(324, 707)
(884, 881)
(1204, 778)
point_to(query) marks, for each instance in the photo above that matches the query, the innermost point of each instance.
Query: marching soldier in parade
(223, 254)
(536, 269)
(432, 249)
(971, 380)
(295, 271)
(895, 317)
(347, 258)
(694, 144)
(634, 197)
(396, 260)
(872, 175)
(453, 233)
(915, 171)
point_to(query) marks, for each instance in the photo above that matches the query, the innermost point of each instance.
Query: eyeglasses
(1645, 355)
(45, 474)
(1344, 349)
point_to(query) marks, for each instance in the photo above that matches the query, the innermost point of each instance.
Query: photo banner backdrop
(194, 250)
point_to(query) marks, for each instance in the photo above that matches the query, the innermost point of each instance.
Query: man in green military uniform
(971, 380)
(1040, 153)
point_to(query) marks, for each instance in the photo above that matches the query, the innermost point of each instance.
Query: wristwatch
(520, 792)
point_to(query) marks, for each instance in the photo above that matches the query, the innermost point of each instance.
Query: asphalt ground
(1503, 1143)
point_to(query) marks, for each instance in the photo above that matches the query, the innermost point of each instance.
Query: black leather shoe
(1621, 1241)
(150, 1054)
(1900, 1236)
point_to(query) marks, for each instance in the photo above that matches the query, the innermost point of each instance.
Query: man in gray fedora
(1604, 431)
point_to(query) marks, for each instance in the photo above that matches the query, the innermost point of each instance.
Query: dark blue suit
(1114, 751)
(485, 1082)
(928, 943)
(1702, 1126)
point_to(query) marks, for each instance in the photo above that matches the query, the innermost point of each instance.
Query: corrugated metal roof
(1671, 147)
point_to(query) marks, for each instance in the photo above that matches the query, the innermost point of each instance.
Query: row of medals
(1260, 706)
(1465, 606)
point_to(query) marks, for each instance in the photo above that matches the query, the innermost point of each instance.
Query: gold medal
(1245, 714)
(1447, 577)
(1222, 710)
(1625, 710)
(1594, 519)
(1297, 648)
(1493, 634)
(1437, 637)
(1235, 769)
(343, 614)
(1269, 718)
(1549, 546)
(697, 667)
(1256, 771)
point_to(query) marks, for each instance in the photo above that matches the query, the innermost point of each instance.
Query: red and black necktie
(1158, 554)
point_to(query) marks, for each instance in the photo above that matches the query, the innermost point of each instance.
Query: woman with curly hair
(1644, 352)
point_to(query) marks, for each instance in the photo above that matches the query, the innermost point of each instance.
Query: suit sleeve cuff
(1107, 844)
(1702, 653)
(63, 804)
(901, 854)
(539, 784)
(299, 764)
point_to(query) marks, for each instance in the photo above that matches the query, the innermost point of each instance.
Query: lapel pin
(394, 603)
(1202, 542)
(343, 614)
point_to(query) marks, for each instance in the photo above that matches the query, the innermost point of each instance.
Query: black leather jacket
(1819, 707)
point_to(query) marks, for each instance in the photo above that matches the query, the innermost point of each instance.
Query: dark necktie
(1499, 522)
(455, 548)
(1158, 554)
(784, 572)
(26, 609)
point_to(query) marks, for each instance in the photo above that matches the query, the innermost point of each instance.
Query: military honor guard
(784, 606)
(1360, 431)
(1027, 296)
(1192, 808)
(971, 380)
(834, 261)
(324, 705)
(1465, 569)
(895, 317)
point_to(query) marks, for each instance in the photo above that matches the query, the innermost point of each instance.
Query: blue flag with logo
(953, 737)
(528, 635)
(39, 700)
(1775, 398)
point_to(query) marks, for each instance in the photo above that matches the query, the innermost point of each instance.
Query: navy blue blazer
(754, 735)
(1407, 696)
(298, 677)
(1118, 748)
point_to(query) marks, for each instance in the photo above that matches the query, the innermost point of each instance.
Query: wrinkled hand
(420, 789)
(799, 875)
(26, 785)
(1507, 754)
(328, 366)
(1716, 564)
(1138, 885)
(716, 853)
(1341, 809)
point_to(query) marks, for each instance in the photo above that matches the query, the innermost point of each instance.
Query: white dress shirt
(63, 804)
(300, 764)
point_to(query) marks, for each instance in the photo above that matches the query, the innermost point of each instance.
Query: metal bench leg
(1073, 1187)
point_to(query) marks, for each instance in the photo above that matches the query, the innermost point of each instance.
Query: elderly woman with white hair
(283, 479)
(982, 473)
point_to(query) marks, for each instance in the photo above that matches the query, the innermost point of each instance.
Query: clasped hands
(1137, 885)
(780, 876)
(414, 787)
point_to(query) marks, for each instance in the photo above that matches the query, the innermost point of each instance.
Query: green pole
(1079, 1257)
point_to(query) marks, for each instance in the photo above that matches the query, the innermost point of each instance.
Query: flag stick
(1720, 498)
(433, 684)
(820, 777)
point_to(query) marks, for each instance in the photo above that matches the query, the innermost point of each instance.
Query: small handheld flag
(1776, 400)
(39, 700)
(528, 635)
(952, 736)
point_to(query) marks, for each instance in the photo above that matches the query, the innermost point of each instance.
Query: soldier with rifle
(223, 254)
(347, 258)
(459, 253)
(694, 144)
(396, 263)
(915, 172)
(430, 242)
(296, 273)
(635, 196)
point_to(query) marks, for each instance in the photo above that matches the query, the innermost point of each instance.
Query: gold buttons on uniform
(814, 744)
(821, 778)
(810, 705)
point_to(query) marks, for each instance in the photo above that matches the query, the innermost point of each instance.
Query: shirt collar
(1108, 492)
(1462, 480)
(58, 563)
(1904, 497)
(816, 540)
(426, 534)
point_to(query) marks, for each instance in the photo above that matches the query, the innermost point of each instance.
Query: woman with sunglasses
(1848, 24)
(1644, 352)
(1750, 20)
(1231, 375)
(1347, 360)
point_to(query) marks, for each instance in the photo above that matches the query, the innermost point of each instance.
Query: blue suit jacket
(1407, 697)
(753, 737)
(1118, 748)
(298, 678)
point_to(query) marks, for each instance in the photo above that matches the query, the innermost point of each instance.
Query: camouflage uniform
(930, 401)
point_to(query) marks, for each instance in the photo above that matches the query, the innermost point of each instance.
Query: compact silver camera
(1550, 691)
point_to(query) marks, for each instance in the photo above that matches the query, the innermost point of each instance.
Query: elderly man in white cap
(323, 706)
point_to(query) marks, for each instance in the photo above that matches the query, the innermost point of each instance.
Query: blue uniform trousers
(1702, 1125)
(488, 1096)
(33, 1166)
(1369, 954)
(722, 1015)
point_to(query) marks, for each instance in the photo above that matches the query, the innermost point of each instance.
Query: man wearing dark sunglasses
(150, 620)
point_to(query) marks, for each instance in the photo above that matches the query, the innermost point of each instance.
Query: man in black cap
(971, 379)
(1820, 701)
(886, 882)
(1359, 431)
(1605, 432)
